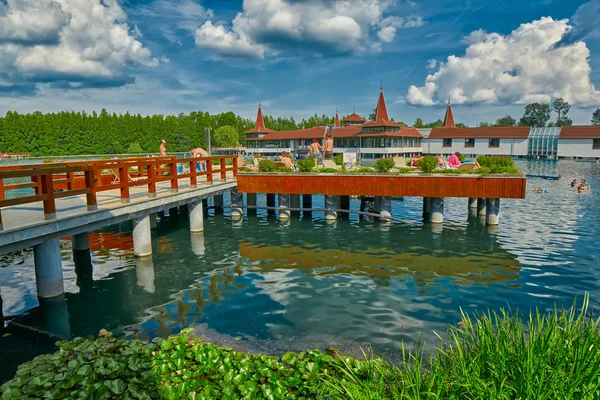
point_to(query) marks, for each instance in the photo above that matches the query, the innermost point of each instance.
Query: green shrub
(404, 170)
(339, 159)
(134, 148)
(266, 166)
(461, 157)
(384, 164)
(306, 165)
(244, 169)
(327, 170)
(87, 369)
(498, 164)
(448, 171)
(284, 169)
(427, 164)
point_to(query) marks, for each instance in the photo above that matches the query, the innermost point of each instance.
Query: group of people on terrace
(315, 149)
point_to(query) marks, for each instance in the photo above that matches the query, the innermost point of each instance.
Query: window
(494, 142)
(447, 143)
(596, 144)
(469, 142)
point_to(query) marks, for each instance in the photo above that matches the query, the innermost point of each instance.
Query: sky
(300, 57)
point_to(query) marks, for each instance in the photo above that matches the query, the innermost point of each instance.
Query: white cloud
(31, 21)
(94, 42)
(525, 66)
(317, 26)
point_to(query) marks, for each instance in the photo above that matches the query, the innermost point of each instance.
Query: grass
(493, 355)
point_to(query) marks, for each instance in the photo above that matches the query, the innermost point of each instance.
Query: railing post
(48, 190)
(235, 166)
(70, 180)
(209, 171)
(124, 183)
(194, 173)
(151, 180)
(174, 181)
(2, 195)
(223, 169)
(90, 184)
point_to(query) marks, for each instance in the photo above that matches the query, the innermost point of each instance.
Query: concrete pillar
(270, 203)
(236, 204)
(472, 202)
(153, 223)
(385, 208)
(377, 204)
(295, 203)
(251, 201)
(481, 207)
(426, 208)
(493, 212)
(142, 237)
(198, 247)
(144, 270)
(48, 269)
(345, 205)
(284, 206)
(196, 210)
(80, 242)
(437, 210)
(307, 203)
(331, 203)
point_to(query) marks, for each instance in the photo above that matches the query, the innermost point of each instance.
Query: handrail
(76, 178)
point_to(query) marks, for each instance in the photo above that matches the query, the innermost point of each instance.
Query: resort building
(579, 141)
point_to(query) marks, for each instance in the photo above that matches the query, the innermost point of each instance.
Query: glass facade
(446, 142)
(390, 142)
(543, 142)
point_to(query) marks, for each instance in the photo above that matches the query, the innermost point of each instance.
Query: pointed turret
(449, 118)
(337, 119)
(382, 114)
(382, 119)
(259, 126)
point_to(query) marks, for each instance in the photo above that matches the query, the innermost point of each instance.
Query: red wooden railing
(59, 180)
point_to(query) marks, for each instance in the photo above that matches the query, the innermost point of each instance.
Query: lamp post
(207, 130)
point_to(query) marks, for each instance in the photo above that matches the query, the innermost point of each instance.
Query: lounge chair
(399, 162)
(117, 179)
(467, 167)
(329, 164)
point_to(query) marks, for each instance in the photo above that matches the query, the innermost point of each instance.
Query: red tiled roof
(259, 126)
(337, 119)
(404, 132)
(380, 122)
(382, 114)
(449, 118)
(580, 132)
(354, 117)
(492, 132)
(347, 131)
(317, 133)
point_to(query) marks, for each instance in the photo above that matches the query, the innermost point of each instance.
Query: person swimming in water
(573, 182)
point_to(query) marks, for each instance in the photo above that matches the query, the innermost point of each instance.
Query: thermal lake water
(266, 286)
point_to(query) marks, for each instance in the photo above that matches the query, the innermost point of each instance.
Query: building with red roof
(579, 142)
(354, 119)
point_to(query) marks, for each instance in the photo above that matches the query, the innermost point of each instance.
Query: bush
(284, 169)
(405, 170)
(364, 170)
(461, 158)
(384, 164)
(498, 164)
(306, 165)
(339, 159)
(428, 163)
(266, 166)
(134, 148)
(327, 170)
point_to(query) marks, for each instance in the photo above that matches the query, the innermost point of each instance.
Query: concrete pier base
(48, 269)
(142, 237)
(236, 205)
(481, 207)
(144, 271)
(331, 203)
(472, 202)
(493, 212)
(284, 206)
(426, 208)
(437, 210)
(81, 242)
(377, 204)
(197, 241)
(295, 203)
(270, 203)
(251, 201)
(385, 208)
(196, 211)
(153, 223)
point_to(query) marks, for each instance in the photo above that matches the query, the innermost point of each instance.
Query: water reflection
(144, 270)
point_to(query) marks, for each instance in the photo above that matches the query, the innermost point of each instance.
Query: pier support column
(437, 210)
(80, 242)
(197, 241)
(330, 206)
(153, 223)
(377, 204)
(295, 203)
(481, 207)
(493, 212)
(196, 211)
(385, 208)
(426, 208)
(345, 205)
(142, 237)
(48, 269)
(284, 206)
(144, 271)
(307, 203)
(270, 203)
(251, 201)
(218, 202)
(472, 202)
(236, 204)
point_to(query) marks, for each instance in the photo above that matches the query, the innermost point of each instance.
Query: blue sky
(299, 57)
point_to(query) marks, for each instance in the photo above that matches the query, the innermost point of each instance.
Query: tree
(225, 136)
(134, 148)
(561, 108)
(596, 117)
(373, 114)
(484, 125)
(461, 125)
(506, 121)
(419, 123)
(536, 115)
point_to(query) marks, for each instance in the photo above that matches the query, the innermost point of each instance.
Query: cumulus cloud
(585, 22)
(524, 66)
(318, 26)
(85, 42)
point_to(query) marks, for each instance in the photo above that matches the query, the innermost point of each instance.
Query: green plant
(461, 157)
(363, 170)
(427, 164)
(498, 164)
(327, 170)
(339, 159)
(405, 170)
(244, 169)
(448, 171)
(87, 369)
(134, 148)
(306, 165)
(384, 164)
(266, 166)
(284, 169)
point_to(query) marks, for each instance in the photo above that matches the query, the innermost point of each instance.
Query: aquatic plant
(427, 164)
(305, 165)
(384, 164)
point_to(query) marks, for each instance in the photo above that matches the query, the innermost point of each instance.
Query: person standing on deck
(163, 149)
(329, 148)
(315, 151)
(199, 152)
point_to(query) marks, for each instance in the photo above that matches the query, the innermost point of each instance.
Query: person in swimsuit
(315, 151)
(163, 149)
(199, 152)
(329, 148)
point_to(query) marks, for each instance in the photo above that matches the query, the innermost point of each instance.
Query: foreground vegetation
(489, 356)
